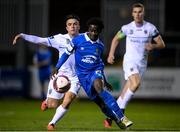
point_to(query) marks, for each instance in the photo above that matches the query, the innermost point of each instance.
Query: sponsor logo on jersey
(145, 31)
(139, 41)
(89, 59)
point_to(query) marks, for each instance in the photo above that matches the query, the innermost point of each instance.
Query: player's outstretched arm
(32, 39)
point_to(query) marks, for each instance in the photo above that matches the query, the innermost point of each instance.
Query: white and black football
(61, 84)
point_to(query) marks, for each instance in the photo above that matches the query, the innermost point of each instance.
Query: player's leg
(111, 103)
(42, 85)
(131, 85)
(103, 107)
(53, 97)
(133, 78)
(52, 101)
(105, 110)
(133, 74)
(125, 95)
(70, 95)
(108, 122)
(62, 109)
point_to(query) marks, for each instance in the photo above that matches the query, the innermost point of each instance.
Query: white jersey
(136, 38)
(59, 42)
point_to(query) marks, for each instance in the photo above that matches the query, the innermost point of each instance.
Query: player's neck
(73, 35)
(139, 24)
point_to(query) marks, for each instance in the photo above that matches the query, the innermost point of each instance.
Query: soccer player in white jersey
(59, 42)
(141, 37)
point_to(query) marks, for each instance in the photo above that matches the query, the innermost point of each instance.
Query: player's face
(72, 27)
(93, 32)
(138, 14)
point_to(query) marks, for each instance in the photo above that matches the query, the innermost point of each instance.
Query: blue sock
(111, 103)
(108, 112)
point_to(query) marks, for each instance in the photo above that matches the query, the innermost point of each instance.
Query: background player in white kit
(141, 37)
(59, 42)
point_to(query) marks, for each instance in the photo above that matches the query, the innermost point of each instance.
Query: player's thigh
(130, 68)
(53, 103)
(75, 85)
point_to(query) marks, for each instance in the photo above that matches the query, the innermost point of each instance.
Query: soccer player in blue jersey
(88, 49)
(42, 60)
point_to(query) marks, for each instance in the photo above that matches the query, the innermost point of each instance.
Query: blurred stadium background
(18, 78)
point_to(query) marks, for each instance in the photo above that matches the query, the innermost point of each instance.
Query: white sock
(60, 112)
(127, 96)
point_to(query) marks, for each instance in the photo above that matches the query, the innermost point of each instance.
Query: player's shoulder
(61, 37)
(56, 36)
(149, 24)
(79, 36)
(66, 36)
(128, 25)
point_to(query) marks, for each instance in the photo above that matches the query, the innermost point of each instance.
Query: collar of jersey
(88, 39)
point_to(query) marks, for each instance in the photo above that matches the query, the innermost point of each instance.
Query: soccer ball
(61, 84)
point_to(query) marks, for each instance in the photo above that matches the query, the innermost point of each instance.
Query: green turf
(25, 115)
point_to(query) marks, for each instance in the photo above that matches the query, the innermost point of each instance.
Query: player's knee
(52, 104)
(98, 85)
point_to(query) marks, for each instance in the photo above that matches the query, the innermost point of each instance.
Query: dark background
(27, 16)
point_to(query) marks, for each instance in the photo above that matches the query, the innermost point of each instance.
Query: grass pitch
(84, 115)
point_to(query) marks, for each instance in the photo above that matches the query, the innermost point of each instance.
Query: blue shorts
(87, 83)
(44, 75)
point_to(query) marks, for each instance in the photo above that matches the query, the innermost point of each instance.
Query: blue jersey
(87, 54)
(89, 64)
(44, 70)
(89, 67)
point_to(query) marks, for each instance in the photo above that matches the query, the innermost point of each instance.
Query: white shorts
(131, 68)
(75, 87)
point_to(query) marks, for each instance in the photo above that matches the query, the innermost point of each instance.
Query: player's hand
(110, 59)
(54, 73)
(149, 46)
(109, 86)
(15, 38)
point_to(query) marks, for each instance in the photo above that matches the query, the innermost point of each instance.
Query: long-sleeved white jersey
(58, 42)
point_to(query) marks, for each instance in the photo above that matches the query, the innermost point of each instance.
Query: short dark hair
(137, 5)
(96, 21)
(72, 16)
